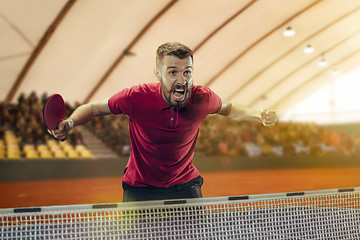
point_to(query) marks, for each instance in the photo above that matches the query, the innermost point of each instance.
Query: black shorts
(191, 189)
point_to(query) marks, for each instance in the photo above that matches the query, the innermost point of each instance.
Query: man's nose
(183, 80)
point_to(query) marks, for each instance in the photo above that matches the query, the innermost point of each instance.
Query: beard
(174, 99)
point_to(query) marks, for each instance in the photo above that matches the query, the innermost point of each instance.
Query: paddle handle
(63, 140)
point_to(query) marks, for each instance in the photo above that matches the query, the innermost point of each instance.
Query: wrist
(71, 123)
(262, 116)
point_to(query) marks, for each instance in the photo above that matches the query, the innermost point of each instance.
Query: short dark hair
(174, 49)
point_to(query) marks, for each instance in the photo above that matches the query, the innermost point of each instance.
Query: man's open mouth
(179, 94)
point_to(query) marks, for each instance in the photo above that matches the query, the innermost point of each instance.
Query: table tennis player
(164, 122)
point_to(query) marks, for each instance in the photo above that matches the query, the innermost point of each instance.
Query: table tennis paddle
(54, 111)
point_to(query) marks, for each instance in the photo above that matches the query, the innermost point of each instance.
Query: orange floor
(106, 190)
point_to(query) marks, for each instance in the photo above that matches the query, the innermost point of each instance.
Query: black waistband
(196, 181)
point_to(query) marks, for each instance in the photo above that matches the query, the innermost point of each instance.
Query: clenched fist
(268, 118)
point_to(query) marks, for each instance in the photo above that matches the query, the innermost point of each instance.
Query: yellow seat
(59, 154)
(2, 149)
(45, 154)
(67, 148)
(64, 144)
(80, 148)
(51, 142)
(32, 155)
(10, 138)
(42, 147)
(28, 148)
(44, 151)
(13, 155)
(55, 148)
(13, 148)
(85, 154)
(72, 154)
(83, 151)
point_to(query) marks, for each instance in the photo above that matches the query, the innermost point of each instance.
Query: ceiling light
(309, 49)
(334, 72)
(323, 63)
(289, 32)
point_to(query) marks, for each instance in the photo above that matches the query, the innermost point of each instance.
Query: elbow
(225, 109)
(228, 109)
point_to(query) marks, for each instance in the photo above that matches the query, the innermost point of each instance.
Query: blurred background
(298, 57)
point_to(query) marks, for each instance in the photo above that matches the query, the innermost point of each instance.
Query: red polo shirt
(162, 138)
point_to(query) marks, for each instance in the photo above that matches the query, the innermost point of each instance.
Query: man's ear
(157, 73)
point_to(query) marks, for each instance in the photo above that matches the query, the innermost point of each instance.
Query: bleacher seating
(28, 139)
(10, 149)
(23, 134)
(2, 149)
(12, 145)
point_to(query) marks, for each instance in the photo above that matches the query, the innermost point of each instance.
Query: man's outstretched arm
(240, 112)
(81, 115)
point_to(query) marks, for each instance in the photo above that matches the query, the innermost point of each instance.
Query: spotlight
(323, 63)
(309, 49)
(334, 72)
(289, 32)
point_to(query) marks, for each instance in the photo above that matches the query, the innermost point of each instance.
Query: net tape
(325, 214)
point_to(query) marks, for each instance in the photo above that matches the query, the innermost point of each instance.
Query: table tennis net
(325, 214)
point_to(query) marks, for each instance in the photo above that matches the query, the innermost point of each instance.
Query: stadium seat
(2, 149)
(46, 154)
(11, 154)
(59, 154)
(28, 148)
(72, 153)
(44, 151)
(31, 155)
(85, 154)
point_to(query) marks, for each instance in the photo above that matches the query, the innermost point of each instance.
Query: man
(164, 122)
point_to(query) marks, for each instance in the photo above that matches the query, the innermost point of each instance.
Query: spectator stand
(103, 144)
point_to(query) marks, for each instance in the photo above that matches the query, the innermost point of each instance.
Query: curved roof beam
(289, 52)
(256, 43)
(143, 31)
(223, 25)
(127, 50)
(301, 66)
(42, 43)
(16, 29)
(285, 98)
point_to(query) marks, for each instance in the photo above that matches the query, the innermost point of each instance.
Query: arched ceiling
(89, 49)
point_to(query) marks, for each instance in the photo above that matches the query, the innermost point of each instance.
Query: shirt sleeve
(120, 102)
(215, 102)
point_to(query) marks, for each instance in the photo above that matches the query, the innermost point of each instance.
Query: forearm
(82, 114)
(240, 112)
(87, 112)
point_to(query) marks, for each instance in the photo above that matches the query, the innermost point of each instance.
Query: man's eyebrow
(171, 67)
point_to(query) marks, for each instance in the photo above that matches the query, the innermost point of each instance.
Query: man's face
(175, 76)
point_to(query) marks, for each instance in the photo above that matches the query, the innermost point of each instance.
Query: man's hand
(62, 130)
(268, 118)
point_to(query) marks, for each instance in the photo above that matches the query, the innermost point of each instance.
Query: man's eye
(173, 72)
